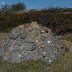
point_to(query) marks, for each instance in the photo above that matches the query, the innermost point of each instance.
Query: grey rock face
(31, 42)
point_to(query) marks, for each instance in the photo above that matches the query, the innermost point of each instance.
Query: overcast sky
(38, 4)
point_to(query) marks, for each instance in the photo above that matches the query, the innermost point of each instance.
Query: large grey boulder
(31, 42)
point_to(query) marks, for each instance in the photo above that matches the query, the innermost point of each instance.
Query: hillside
(59, 20)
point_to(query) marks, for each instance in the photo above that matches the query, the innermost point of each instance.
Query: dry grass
(2, 36)
(67, 37)
(67, 40)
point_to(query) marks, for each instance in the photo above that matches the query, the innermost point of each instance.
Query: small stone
(36, 40)
(50, 61)
(19, 55)
(45, 53)
(43, 31)
(49, 41)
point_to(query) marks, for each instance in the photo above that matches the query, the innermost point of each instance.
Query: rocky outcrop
(31, 42)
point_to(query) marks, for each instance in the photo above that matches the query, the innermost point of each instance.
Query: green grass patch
(64, 64)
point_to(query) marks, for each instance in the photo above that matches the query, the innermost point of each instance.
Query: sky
(40, 4)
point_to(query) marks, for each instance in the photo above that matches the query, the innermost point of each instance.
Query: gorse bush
(18, 6)
(14, 7)
(59, 20)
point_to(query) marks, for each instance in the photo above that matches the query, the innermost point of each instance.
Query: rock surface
(31, 42)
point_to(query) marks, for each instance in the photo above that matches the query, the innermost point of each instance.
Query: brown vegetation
(56, 19)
